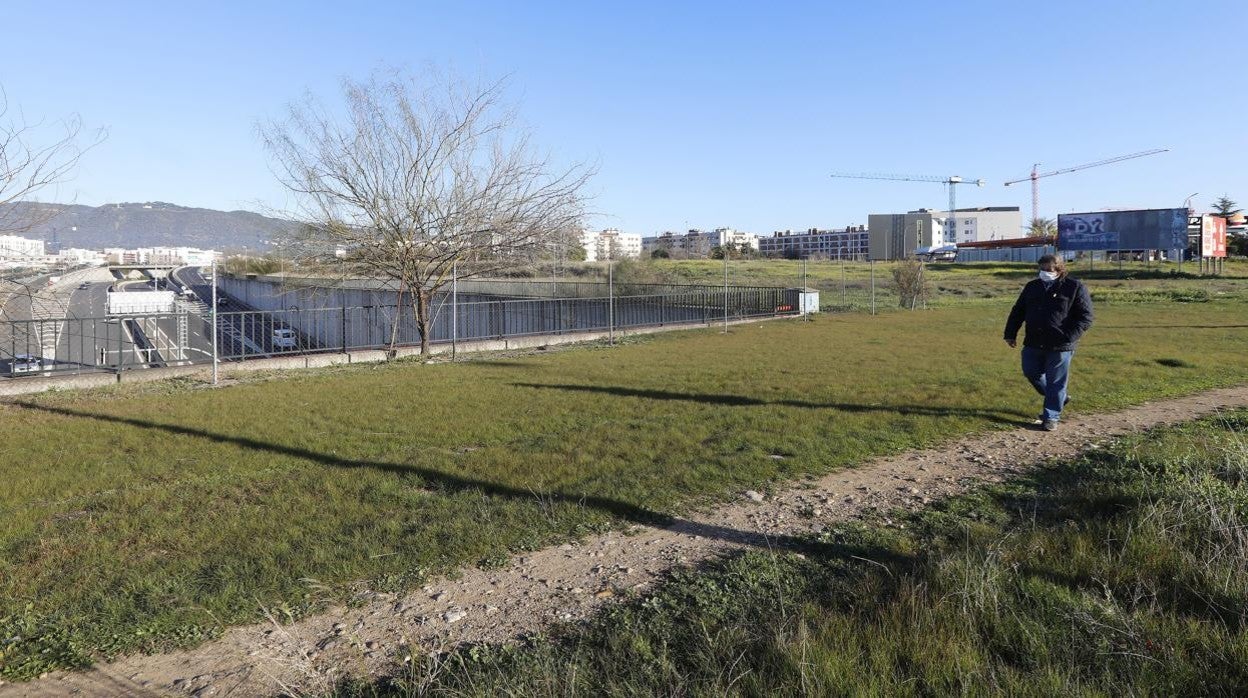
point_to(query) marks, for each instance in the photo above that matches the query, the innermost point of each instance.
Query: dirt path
(571, 581)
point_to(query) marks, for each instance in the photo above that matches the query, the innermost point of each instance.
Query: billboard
(139, 302)
(1150, 229)
(1212, 236)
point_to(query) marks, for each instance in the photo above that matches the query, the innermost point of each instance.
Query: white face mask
(1048, 275)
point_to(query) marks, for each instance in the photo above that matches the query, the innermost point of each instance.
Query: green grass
(152, 517)
(848, 285)
(1123, 573)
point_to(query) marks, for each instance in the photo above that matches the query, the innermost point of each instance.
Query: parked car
(26, 363)
(285, 338)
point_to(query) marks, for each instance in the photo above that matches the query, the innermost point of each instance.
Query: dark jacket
(1056, 317)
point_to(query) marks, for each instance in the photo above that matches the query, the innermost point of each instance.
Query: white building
(983, 224)
(160, 256)
(738, 239)
(118, 255)
(699, 243)
(76, 257)
(16, 248)
(691, 244)
(610, 244)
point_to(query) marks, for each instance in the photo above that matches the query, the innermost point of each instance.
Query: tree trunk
(393, 351)
(421, 301)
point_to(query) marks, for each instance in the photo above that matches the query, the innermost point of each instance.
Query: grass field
(849, 284)
(153, 516)
(1124, 573)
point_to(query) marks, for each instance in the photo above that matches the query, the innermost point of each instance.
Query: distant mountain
(151, 224)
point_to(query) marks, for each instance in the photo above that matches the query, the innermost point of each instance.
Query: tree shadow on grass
(1008, 417)
(446, 482)
(1170, 327)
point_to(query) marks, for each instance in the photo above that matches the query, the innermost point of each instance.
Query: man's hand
(1013, 343)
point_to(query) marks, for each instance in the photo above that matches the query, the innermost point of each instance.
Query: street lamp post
(215, 358)
(1187, 204)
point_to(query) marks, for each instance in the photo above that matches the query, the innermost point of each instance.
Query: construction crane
(1035, 185)
(950, 182)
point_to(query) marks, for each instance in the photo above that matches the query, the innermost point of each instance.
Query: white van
(285, 338)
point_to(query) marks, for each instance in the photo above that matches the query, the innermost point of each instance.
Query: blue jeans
(1047, 371)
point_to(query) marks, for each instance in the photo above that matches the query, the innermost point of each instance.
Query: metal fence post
(610, 301)
(342, 298)
(724, 251)
(454, 309)
(873, 287)
(844, 290)
(801, 296)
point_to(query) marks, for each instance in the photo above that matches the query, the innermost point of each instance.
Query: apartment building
(850, 243)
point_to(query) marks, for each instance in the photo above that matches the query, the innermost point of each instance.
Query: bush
(912, 287)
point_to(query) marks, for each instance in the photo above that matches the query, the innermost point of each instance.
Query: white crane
(951, 182)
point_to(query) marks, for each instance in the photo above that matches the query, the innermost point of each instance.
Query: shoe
(1066, 402)
(1049, 425)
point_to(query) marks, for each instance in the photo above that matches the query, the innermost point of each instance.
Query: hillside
(147, 224)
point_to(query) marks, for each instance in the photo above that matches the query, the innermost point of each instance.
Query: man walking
(1057, 310)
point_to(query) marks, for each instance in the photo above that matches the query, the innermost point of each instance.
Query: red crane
(1035, 186)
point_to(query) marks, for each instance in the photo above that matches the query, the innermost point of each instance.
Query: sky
(696, 114)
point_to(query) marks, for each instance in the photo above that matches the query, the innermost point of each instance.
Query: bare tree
(31, 160)
(912, 288)
(417, 176)
(30, 163)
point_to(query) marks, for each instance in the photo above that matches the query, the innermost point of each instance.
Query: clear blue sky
(699, 114)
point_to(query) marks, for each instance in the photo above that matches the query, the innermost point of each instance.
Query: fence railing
(118, 343)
